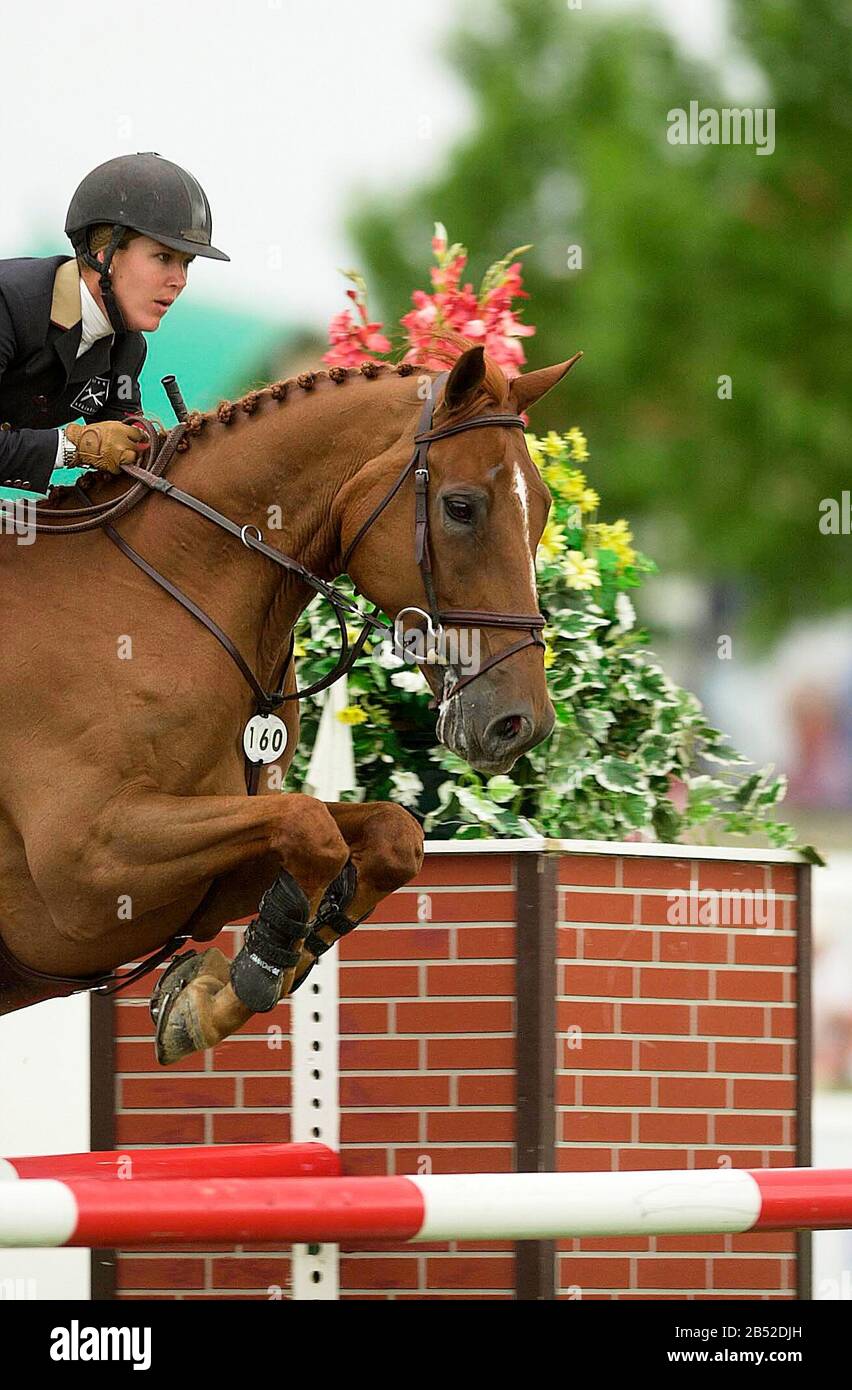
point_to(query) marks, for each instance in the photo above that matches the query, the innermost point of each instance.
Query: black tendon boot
(331, 913)
(272, 945)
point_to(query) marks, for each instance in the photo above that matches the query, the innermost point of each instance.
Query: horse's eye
(459, 511)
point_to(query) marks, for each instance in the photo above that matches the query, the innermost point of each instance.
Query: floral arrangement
(631, 754)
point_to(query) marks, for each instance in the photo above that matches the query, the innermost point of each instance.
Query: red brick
(455, 1159)
(663, 1055)
(656, 1273)
(782, 1022)
(365, 1163)
(594, 1127)
(728, 1158)
(140, 1057)
(598, 871)
(250, 1273)
(767, 1242)
(615, 1090)
(690, 1245)
(693, 947)
(660, 910)
(363, 1018)
(708, 1092)
(599, 979)
(486, 1090)
(470, 980)
(604, 1054)
(396, 943)
(470, 1126)
(160, 1273)
(133, 1020)
(267, 1091)
(765, 1058)
(476, 868)
(655, 1018)
(598, 907)
(770, 948)
(378, 981)
(613, 943)
(469, 1272)
(462, 1016)
(380, 1273)
(178, 1092)
(749, 1129)
(357, 1091)
(567, 1089)
(747, 1274)
(730, 1021)
(470, 1053)
(489, 905)
(673, 1128)
(784, 878)
(591, 1016)
(656, 873)
(728, 874)
(618, 1245)
(385, 1127)
(252, 1054)
(159, 1129)
(491, 1246)
(659, 983)
(485, 943)
(765, 1095)
(379, 1054)
(576, 1160)
(583, 1273)
(567, 938)
(749, 984)
(261, 1127)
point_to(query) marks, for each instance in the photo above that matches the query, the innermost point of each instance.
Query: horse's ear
(530, 387)
(467, 376)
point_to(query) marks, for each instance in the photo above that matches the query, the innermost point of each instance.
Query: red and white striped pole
(489, 1206)
(200, 1161)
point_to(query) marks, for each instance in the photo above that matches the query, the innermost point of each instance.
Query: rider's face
(147, 278)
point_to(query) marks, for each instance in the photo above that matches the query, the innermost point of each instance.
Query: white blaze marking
(521, 491)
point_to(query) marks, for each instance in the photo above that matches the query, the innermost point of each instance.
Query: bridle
(267, 702)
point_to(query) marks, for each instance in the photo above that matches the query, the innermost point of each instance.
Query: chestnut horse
(124, 818)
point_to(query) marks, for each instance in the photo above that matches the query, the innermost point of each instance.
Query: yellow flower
(589, 501)
(299, 649)
(552, 542)
(535, 450)
(581, 571)
(577, 444)
(553, 445)
(549, 656)
(352, 715)
(615, 537)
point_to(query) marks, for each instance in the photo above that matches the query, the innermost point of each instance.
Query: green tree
(697, 262)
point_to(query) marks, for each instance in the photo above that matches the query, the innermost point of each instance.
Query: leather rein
(150, 479)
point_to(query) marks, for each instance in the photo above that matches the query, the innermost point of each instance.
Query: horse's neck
(279, 470)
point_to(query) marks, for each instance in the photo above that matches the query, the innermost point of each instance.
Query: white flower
(412, 681)
(386, 657)
(406, 787)
(625, 612)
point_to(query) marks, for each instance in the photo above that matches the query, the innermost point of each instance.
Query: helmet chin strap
(114, 313)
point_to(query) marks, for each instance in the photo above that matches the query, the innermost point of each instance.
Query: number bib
(264, 738)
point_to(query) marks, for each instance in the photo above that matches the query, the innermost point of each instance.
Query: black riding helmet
(143, 193)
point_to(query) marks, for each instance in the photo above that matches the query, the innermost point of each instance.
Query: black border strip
(102, 1120)
(536, 879)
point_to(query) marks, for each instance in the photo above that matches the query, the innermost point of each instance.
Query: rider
(71, 341)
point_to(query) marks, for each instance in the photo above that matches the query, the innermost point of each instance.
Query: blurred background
(709, 286)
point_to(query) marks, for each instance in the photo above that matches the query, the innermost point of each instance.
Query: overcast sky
(281, 108)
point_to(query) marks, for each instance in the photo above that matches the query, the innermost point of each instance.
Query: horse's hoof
(179, 1028)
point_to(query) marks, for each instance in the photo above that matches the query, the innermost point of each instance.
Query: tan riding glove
(106, 445)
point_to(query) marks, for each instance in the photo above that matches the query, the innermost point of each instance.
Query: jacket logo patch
(93, 397)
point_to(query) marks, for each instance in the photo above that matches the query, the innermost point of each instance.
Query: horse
(124, 818)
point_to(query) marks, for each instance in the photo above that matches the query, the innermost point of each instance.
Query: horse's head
(486, 507)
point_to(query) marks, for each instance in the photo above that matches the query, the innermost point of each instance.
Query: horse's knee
(395, 842)
(308, 841)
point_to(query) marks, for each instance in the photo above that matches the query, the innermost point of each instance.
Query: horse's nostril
(507, 730)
